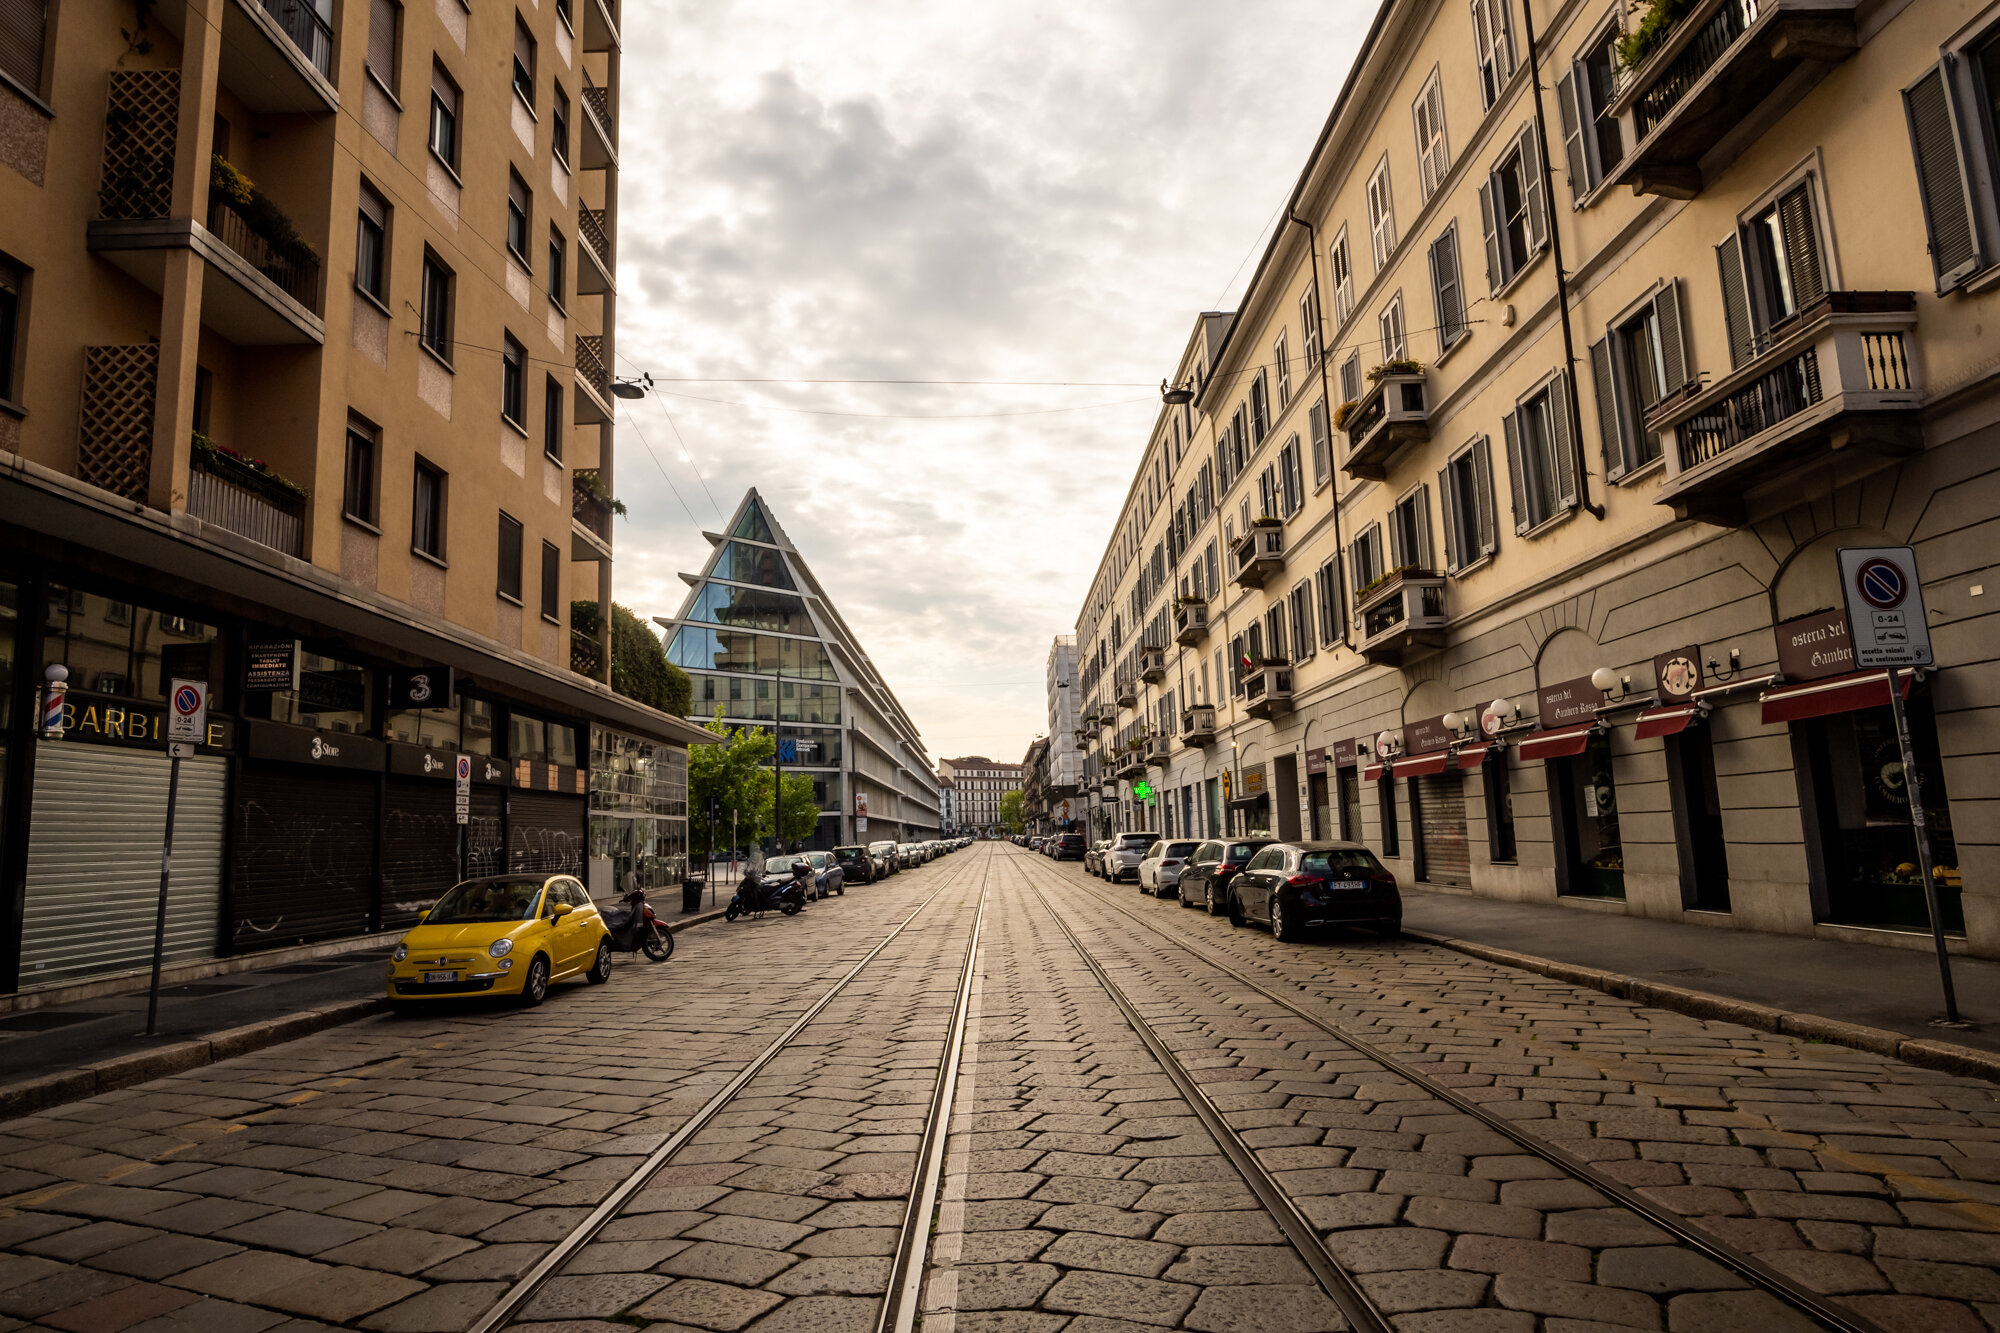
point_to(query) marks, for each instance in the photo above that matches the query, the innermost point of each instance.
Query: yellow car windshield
(491, 900)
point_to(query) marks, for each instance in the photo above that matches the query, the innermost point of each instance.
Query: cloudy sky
(895, 190)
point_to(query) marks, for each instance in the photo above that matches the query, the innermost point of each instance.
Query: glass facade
(113, 647)
(759, 700)
(751, 608)
(755, 565)
(638, 811)
(696, 647)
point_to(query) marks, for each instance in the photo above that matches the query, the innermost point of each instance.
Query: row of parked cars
(1293, 887)
(1055, 846)
(879, 860)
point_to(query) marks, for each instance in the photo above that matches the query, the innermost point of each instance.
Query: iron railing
(309, 32)
(1785, 390)
(597, 101)
(1699, 56)
(244, 508)
(296, 278)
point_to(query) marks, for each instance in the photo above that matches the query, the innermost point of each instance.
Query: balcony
(1390, 416)
(593, 380)
(594, 274)
(590, 516)
(1190, 622)
(1152, 665)
(1198, 724)
(1128, 694)
(600, 139)
(276, 55)
(1159, 751)
(1130, 762)
(246, 501)
(1722, 75)
(1832, 399)
(586, 655)
(1258, 553)
(1267, 689)
(1401, 617)
(600, 25)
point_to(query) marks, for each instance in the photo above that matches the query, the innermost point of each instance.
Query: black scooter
(754, 897)
(637, 930)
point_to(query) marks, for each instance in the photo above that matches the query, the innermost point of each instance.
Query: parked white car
(1126, 851)
(1160, 873)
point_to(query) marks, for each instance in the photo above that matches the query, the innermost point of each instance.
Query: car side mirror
(561, 910)
(423, 916)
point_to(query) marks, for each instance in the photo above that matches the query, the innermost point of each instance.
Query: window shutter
(1673, 335)
(1802, 252)
(524, 47)
(1322, 443)
(1735, 298)
(1482, 479)
(1535, 187)
(1607, 409)
(1517, 472)
(1560, 443)
(382, 41)
(1495, 275)
(1454, 505)
(1424, 555)
(1572, 128)
(1941, 177)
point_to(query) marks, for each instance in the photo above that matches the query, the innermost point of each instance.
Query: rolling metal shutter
(419, 847)
(94, 860)
(485, 840)
(305, 855)
(1447, 854)
(545, 832)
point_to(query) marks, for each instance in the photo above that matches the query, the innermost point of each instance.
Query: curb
(1947, 1057)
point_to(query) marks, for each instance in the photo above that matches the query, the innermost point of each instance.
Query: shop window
(1499, 784)
(332, 696)
(1385, 795)
(527, 737)
(437, 728)
(1856, 797)
(561, 741)
(1704, 856)
(111, 646)
(479, 721)
(1583, 808)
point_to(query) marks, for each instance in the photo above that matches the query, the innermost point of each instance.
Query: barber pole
(52, 701)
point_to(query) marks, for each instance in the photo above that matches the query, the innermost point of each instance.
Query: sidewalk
(1870, 985)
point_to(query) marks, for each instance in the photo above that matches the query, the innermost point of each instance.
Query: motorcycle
(755, 896)
(638, 930)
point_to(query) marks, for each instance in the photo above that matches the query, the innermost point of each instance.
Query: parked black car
(1205, 882)
(1069, 847)
(1295, 887)
(856, 865)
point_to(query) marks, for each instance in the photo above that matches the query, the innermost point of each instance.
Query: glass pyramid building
(763, 644)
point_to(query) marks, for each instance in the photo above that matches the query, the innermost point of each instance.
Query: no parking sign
(187, 716)
(1885, 606)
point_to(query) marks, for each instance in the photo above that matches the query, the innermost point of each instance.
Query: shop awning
(1823, 698)
(1374, 772)
(1423, 766)
(1472, 756)
(1668, 721)
(1557, 742)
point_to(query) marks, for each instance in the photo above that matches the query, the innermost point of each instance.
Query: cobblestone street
(1159, 1121)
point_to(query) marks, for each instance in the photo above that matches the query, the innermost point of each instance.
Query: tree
(1010, 812)
(734, 776)
(801, 810)
(639, 666)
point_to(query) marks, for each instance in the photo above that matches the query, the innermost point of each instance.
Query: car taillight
(1303, 881)
(1227, 868)
(1384, 877)
(1170, 863)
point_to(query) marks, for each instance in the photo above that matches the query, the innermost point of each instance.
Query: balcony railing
(1130, 762)
(1127, 693)
(588, 507)
(1153, 664)
(309, 32)
(1699, 56)
(1833, 393)
(590, 367)
(1159, 751)
(586, 655)
(295, 275)
(243, 501)
(1258, 554)
(590, 226)
(1267, 689)
(600, 137)
(1190, 623)
(1389, 416)
(1402, 617)
(1198, 724)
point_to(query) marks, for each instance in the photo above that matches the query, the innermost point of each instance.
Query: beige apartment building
(306, 334)
(1588, 339)
(979, 783)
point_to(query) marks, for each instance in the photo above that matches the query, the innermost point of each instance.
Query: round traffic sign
(1881, 583)
(464, 767)
(187, 701)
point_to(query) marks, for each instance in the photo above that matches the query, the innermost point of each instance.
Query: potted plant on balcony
(1400, 366)
(1343, 412)
(1267, 521)
(1646, 35)
(236, 192)
(591, 482)
(253, 474)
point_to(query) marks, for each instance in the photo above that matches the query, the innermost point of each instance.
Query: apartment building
(1063, 792)
(305, 318)
(980, 783)
(1498, 527)
(766, 648)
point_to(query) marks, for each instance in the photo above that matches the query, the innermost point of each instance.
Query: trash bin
(691, 891)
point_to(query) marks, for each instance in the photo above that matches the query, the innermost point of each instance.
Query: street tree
(1010, 812)
(735, 775)
(800, 811)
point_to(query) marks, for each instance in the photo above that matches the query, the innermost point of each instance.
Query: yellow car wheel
(600, 970)
(535, 985)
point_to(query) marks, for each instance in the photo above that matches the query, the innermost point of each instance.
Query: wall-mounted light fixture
(1497, 715)
(1609, 681)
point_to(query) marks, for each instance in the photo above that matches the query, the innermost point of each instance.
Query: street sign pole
(462, 808)
(187, 727)
(1913, 781)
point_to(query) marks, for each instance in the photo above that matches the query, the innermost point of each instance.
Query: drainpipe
(1326, 393)
(1562, 276)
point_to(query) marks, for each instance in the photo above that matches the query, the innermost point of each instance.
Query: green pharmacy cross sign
(1142, 791)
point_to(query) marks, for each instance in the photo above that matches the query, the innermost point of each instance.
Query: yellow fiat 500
(501, 935)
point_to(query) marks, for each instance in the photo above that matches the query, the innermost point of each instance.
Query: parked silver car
(1126, 851)
(1160, 872)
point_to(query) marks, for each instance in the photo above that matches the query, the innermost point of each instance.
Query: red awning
(1823, 698)
(1557, 742)
(1423, 766)
(1472, 756)
(1374, 772)
(1668, 721)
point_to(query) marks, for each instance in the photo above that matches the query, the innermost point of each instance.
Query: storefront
(1345, 767)
(1575, 749)
(306, 837)
(1249, 801)
(638, 814)
(1436, 794)
(1379, 771)
(1679, 718)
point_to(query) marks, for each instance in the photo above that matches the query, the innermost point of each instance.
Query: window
(1301, 613)
(1350, 378)
(1291, 480)
(1433, 154)
(1466, 487)
(1322, 444)
(1326, 590)
(520, 207)
(1513, 211)
(1953, 111)
(1493, 48)
(427, 510)
(1448, 290)
(445, 99)
(23, 33)
(1281, 359)
(559, 123)
(1309, 327)
(524, 62)
(1236, 646)
(437, 311)
(1386, 805)
(551, 583)
(510, 558)
(1260, 409)
(513, 380)
(558, 267)
(1342, 265)
(363, 452)
(1365, 558)
(1274, 633)
(371, 244)
(1541, 457)
(1773, 267)
(1639, 361)
(1395, 343)
(13, 285)
(385, 25)
(1592, 143)
(1381, 215)
(1410, 530)
(552, 418)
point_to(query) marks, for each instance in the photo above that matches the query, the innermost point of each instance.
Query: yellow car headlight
(402, 952)
(500, 948)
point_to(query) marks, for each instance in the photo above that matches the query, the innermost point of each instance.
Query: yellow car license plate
(432, 978)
